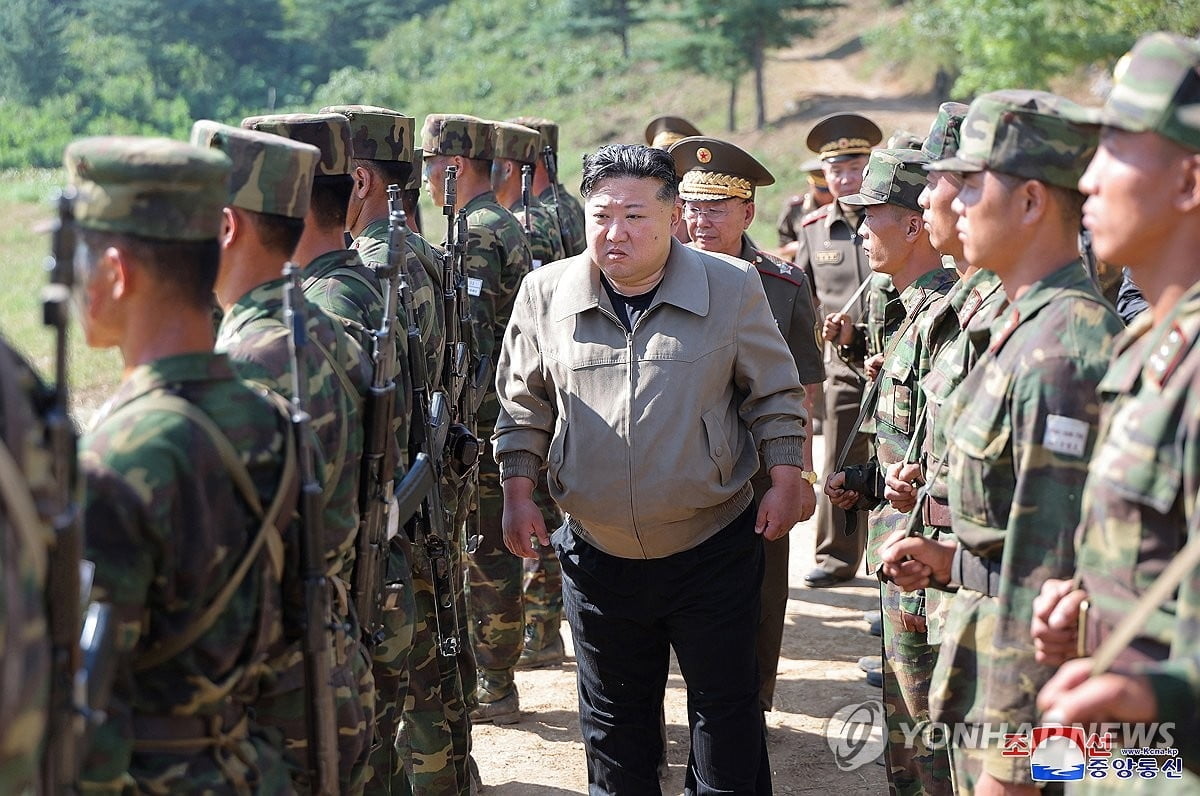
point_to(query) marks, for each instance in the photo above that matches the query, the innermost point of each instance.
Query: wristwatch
(809, 476)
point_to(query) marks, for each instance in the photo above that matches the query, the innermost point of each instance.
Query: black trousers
(625, 616)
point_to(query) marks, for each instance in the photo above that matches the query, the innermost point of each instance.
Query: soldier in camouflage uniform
(184, 548)
(800, 205)
(717, 187)
(1024, 421)
(898, 245)
(541, 582)
(555, 196)
(25, 478)
(269, 194)
(498, 257)
(412, 196)
(830, 253)
(382, 152)
(1143, 209)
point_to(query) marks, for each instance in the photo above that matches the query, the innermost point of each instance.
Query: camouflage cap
(547, 129)
(328, 132)
(151, 187)
(516, 142)
(1156, 86)
(843, 135)
(377, 133)
(892, 177)
(271, 174)
(903, 139)
(942, 141)
(458, 134)
(414, 177)
(713, 169)
(662, 131)
(1029, 134)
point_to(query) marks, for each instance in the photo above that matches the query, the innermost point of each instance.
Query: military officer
(799, 205)
(662, 131)
(1139, 502)
(183, 527)
(1025, 420)
(717, 186)
(830, 253)
(897, 244)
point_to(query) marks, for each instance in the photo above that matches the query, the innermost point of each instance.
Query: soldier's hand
(789, 497)
(522, 520)
(900, 485)
(916, 562)
(1055, 626)
(872, 366)
(1073, 696)
(838, 328)
(837, 493)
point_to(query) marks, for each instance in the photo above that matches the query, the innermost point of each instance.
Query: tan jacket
(650, 438)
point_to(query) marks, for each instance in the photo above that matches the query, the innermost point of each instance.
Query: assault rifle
(526, 188)
(550, 160)
(419, 494)
(318, 637)
(378, 463)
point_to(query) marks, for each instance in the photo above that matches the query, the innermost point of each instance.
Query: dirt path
(823, 638)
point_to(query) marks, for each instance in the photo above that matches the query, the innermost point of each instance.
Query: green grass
(25, 205)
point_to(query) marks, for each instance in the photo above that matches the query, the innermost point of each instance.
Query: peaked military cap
(843, 135)
(547, 129)
(1156, 86)
(714, 169)
(892, 177)
(942, 141)
(815, 172)
(151, 187)
(271, 174)
(458, 134)
(377, 133)
(1029, 134)
(328, 132)
(517, 142)
(414, 177)
(666, 130)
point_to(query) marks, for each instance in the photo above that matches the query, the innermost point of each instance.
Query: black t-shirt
(628, 308)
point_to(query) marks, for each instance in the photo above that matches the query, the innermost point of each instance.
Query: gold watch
(809, 476)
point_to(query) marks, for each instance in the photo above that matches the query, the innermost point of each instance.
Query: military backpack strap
(268, 533)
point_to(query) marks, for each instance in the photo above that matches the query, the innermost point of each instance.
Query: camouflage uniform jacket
(571, 220)
(497, 260)
(791, 299)
(1025, 421)
(424, 266)
(255, 334)
(898, 401)
(1141, 489)
(166, 527)
(24, 643)
(545, 241)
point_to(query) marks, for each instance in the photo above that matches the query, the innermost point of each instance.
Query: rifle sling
(268, 533)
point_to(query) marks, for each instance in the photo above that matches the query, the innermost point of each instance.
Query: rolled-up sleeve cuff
(782, 450)
(521, 463)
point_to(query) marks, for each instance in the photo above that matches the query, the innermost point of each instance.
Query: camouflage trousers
(968, 768)
(498, 609)
(913, 766)
(390, 667)
(435, 737)
(282, 704)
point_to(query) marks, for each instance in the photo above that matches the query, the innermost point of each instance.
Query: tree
(30, 48)
(613, 17)
(728, 38)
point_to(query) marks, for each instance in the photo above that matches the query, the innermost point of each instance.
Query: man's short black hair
(280, 234)
(630, 160)
(481, 168)
(330, 199)
(390, 172)
(187, 268)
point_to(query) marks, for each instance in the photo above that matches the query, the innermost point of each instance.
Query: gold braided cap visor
(697, 186)
(845, 146)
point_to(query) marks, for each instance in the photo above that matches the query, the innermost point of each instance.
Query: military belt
(935, 512)
(971, 571)
(185, 734)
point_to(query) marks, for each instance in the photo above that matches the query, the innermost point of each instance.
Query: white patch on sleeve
(1066, 436)
(537, 263)
(474, 286)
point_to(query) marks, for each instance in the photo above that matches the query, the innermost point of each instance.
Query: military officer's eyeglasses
(713, 211)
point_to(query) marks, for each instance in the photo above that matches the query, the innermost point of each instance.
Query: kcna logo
(1065, 754)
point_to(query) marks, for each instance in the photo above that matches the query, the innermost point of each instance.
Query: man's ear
(749, 218)
(364, 180)
(119, 274)
(1035, 200)
(231, 227)
(1188, 196)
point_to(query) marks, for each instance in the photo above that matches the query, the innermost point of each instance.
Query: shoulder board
(797, 199)
(815, 215)
(780, 269)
